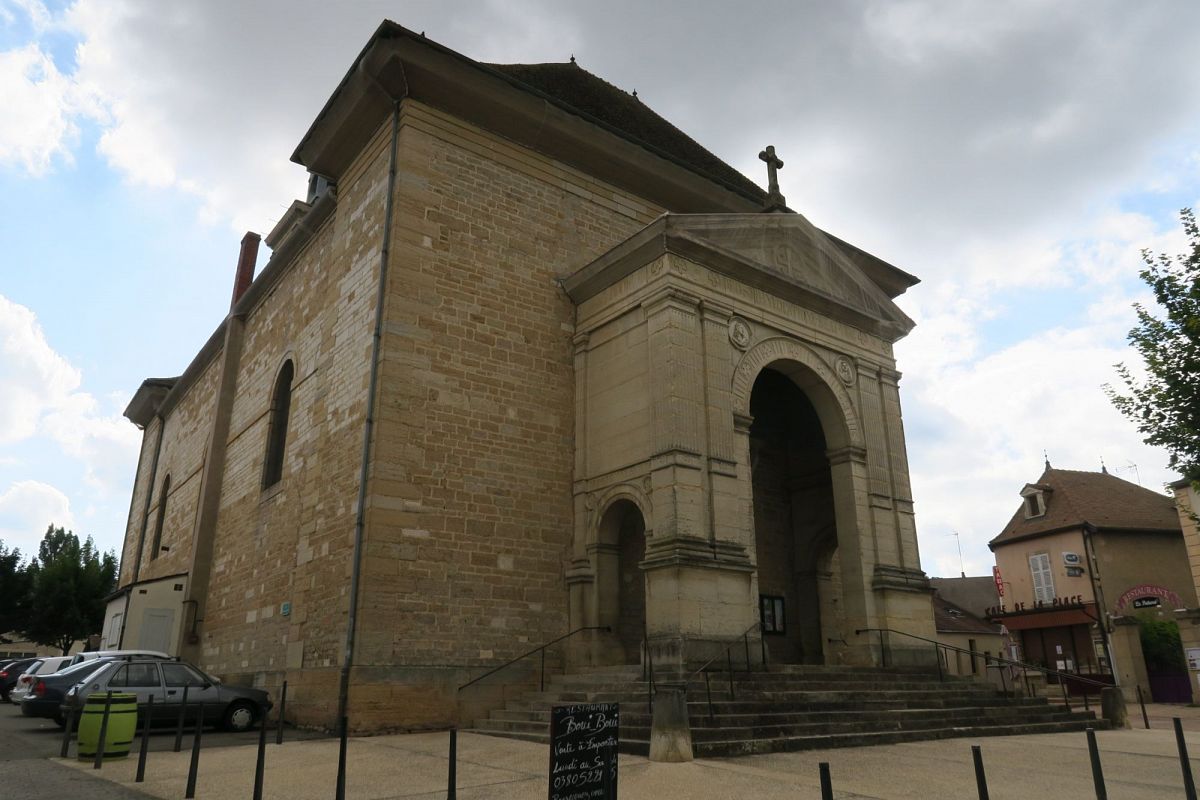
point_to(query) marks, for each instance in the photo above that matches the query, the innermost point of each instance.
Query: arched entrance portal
(622, 600)
(795, 529)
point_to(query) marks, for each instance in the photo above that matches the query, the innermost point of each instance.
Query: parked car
(79, 657)
(10, 673)
(236, 708)
(46, 696)
(43, 666)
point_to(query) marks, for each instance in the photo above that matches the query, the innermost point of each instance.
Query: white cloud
(42, 396)
(26, 508)
(37, 124)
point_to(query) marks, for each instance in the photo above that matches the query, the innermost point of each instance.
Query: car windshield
(33, 667)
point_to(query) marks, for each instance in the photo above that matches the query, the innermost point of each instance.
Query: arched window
(162, 515)
(281, 401)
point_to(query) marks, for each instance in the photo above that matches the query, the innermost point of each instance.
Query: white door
(157, 626)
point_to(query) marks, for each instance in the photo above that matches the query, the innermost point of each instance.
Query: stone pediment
(783, 254)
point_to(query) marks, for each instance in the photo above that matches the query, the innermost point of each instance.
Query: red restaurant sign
(1148, 591)
(999, 583)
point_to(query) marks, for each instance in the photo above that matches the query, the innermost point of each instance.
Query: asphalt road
(27, 744)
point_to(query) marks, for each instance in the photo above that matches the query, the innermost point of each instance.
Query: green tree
(69, 583)
(14, 597)
(1161, 645)
(1166, 405)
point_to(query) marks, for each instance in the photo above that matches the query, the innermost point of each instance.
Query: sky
(1016, 156)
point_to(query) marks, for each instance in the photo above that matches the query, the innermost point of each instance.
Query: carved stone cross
(775, 200)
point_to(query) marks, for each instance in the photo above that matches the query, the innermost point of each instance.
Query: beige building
(1083, 557)
(1187, 503)
(527, 360)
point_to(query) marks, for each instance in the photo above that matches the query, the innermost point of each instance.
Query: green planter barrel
(122, 723)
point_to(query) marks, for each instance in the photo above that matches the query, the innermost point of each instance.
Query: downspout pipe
(1101, 606)
(137, 561)
(372, 390)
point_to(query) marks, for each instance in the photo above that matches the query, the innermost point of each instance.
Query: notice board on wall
(583, 751)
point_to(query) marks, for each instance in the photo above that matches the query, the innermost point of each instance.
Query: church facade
(527, 360)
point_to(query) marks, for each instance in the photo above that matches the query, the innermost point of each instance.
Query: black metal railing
(540, 651)
(990, 662)
(727, 652)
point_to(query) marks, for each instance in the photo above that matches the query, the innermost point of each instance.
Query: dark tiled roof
(949, 618)
(598, 99)
(1073, 498)
(975, 594)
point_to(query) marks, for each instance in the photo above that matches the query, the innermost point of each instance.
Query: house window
(157, 546)
(1043, 580)
(281, 401)
(1035, 505)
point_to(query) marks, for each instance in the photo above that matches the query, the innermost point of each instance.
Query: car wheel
(240, 716)
(60, 720)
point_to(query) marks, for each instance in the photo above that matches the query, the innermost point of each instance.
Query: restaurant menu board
(583, 751)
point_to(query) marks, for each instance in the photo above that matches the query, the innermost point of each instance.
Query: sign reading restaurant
(1148, 595)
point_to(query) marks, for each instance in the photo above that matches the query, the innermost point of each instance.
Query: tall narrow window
(157, 547)
(281, 402)
(1043, 580)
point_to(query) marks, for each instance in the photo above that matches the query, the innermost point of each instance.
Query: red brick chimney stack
(245, 267)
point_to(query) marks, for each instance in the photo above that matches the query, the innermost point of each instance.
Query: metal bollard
(262, 755)
(282, 707)
(194, 767)
(452, 778)
(145, 743)
(1142, 703)
(980, 778)
(68, 729)
(340, 793)
(179, 725)
(826, 782)
(1097, 772)
(103, 731)
(1189, 785)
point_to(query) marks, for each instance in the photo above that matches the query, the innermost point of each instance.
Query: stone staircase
(796, 708)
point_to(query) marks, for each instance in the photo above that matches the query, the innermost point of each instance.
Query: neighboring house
(1083, 555)
(959, 628)
(1187, 505)
(975, 594)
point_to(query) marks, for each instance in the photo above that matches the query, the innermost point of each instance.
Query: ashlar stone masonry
(609, 391)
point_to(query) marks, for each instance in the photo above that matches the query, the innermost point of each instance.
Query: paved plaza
(1138, 764)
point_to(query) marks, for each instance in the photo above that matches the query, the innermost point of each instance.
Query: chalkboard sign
(583, 751)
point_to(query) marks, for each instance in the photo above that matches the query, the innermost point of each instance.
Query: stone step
(734, 747)
(761, 680)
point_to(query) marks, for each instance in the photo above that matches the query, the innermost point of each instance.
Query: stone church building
(528, 359)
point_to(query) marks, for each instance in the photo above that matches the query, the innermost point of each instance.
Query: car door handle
(170, 692)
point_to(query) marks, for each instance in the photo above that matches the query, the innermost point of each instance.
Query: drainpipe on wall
(372, 387)
(1090, 550)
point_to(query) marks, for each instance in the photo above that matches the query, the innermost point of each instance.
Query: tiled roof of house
(1103, 500)
(598, 99)
(949, 618)
(973, 593)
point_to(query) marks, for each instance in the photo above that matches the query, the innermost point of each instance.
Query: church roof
(1074, 498)
(594, 98)
(560, 110)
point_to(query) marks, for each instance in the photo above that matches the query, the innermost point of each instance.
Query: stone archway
(795, 524)
(621, 583)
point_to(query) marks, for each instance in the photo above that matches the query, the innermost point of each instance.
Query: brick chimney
(245, 267)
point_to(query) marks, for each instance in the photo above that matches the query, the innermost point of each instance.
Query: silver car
(236, 708)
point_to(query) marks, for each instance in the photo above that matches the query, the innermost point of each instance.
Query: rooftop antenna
(962, 571)
(1131, 467)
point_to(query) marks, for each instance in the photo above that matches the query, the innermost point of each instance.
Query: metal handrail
(938, 646)
(744, 637)
(542, 648)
